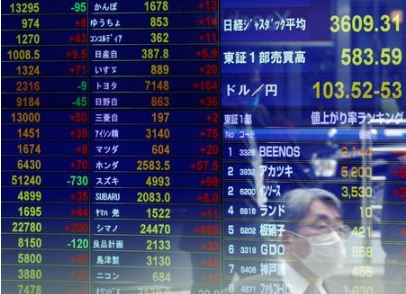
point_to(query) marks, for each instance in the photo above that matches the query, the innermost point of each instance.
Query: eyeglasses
(324, 228)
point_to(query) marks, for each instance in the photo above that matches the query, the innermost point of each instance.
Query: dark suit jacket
(262, 285)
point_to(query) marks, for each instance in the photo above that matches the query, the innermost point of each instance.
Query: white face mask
(327, 254)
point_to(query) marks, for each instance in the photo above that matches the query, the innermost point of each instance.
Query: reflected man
(314, 246)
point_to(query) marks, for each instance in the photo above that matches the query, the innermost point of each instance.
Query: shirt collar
(296, 283)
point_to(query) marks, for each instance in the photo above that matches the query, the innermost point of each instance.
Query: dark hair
(298, 202)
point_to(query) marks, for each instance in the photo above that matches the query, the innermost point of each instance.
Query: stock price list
(111, 147)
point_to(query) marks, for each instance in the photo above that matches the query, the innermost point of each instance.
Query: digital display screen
(203, 147)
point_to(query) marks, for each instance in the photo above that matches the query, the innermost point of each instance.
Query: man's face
(321, 218)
